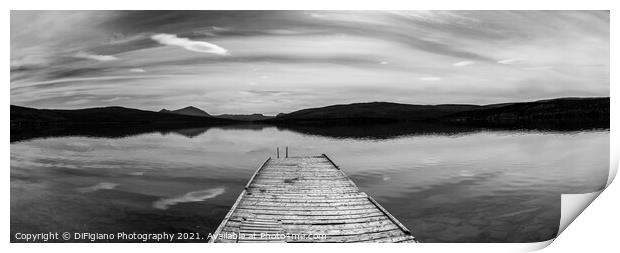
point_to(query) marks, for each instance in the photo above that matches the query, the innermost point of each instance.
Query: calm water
(473, 186)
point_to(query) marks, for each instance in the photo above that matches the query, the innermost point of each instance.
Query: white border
(594, 230)
(314, 5)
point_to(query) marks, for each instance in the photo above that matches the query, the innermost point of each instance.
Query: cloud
(510, 61)
(219, 29)
(32, 60)
(77, 102)
(538, 68)
(59, 72)
(137, 70)
(310, 61)
(463, 63)
(191, 45)
(264, 92)
(96, 57)
(50, 83)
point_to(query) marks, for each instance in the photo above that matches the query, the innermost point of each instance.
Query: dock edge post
(338, 168)
(392, 218)
(256, 173)
(374, 202)
(217, 232)
(330, 161)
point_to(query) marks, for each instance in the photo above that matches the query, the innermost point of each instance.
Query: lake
(459, 185)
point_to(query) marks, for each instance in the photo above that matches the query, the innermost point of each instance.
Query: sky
(281, 61)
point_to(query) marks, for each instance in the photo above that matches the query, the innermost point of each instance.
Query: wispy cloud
(510, 61)
(219, 29)
(263, 92)
(287, 60)
(191, 45)
(137, 70)
(463, 63)
(430, 78)
(538, 68)
(96, 57)
(87, 79)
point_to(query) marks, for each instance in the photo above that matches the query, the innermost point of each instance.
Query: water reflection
(338, 131)
(446, 184)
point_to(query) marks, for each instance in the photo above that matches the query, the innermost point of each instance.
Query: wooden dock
(307, 199)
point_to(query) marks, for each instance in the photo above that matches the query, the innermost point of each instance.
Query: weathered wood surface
(307, 199)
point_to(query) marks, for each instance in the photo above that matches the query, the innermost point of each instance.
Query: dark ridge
(360, 120)
(558, 114)
(115, 115)
(375, 112)
(562, 113)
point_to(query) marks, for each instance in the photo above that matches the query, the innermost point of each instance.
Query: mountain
(193, 111)
(189, 111)
(374, 112)
(24, 116)
(244, 117)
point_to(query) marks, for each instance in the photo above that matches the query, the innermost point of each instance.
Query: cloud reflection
(195, 196)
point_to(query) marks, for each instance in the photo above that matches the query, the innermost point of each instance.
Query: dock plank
(307, 199)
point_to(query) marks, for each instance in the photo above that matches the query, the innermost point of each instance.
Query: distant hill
(193, 111)
(244, 117)
(551, 113)
(24, 116)
(569, 113)
(559, 114)
(189, 111)
(372, 112)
